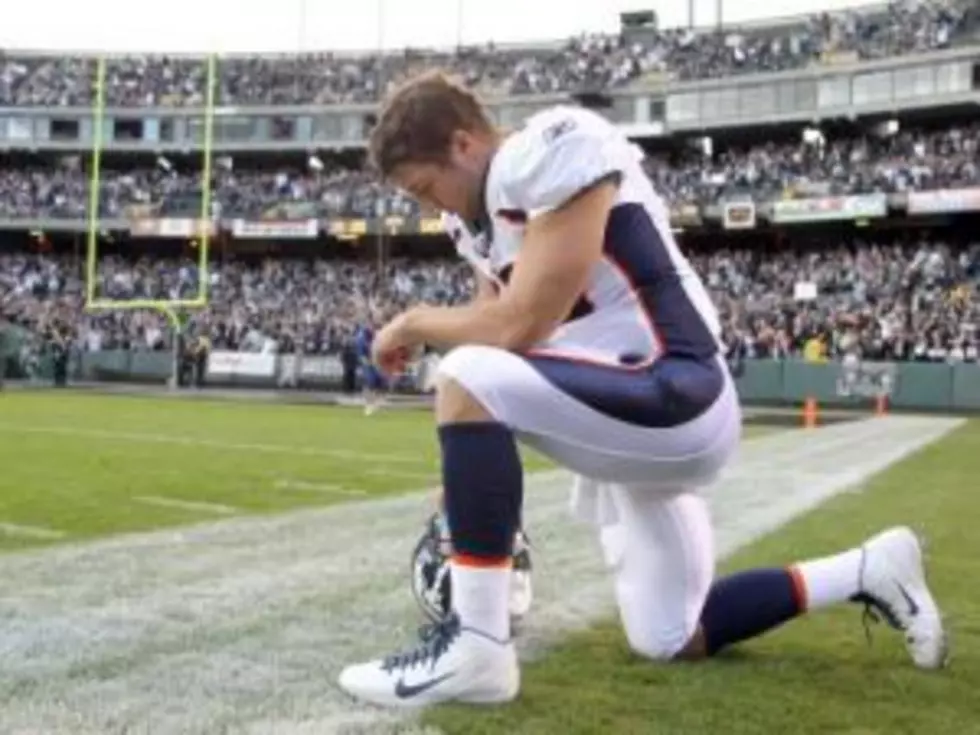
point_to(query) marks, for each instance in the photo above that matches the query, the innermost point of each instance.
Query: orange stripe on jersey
(481, 562)
(799, 588)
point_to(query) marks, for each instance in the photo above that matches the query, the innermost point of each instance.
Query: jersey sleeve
(555, 161)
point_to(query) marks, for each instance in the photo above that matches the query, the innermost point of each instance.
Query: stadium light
(165, 164)
(315, 164)
(813, 136)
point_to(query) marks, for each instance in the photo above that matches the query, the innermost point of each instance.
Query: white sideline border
(241, 625)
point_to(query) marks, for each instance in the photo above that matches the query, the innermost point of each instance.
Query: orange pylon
(810, 413)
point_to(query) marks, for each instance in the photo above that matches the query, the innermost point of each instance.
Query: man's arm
(560, 249)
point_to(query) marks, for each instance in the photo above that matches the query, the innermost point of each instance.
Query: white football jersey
(644, 299)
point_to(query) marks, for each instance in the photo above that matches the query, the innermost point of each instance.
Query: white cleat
(893, 582)
(452, 664)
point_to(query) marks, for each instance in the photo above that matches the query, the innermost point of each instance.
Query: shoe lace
(434, 640)
(876, 610)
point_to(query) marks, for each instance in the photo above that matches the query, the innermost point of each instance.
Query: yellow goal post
(169, 308)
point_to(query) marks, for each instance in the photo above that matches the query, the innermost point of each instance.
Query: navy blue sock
(747, 604)
(483, 486)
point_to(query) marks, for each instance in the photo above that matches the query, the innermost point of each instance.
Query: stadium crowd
(302, 305)
(875, 299)
(910, 159)
(593, 61)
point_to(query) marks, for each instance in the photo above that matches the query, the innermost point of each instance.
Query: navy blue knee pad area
(483, 484)
(747, 604)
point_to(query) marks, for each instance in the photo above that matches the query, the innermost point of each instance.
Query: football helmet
(430, 572)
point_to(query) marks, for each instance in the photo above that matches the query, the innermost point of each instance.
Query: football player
(595, 342)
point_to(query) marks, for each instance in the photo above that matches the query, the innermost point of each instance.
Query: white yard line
(31, 532)
(325, 488)
(194, 506)
(241, 625)
(405, 474)
(145, 438)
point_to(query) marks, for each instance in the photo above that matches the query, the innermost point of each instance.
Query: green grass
(815, 675)
(82, 464)
(78, 463)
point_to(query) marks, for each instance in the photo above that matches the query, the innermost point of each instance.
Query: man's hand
(393, 345)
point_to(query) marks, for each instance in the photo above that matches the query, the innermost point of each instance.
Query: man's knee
(655, 645)
(666, 645)
(454, 402)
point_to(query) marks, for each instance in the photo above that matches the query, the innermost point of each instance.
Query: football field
(193, 567)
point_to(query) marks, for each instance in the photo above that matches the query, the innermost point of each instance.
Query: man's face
(438, 186)
(454, 184)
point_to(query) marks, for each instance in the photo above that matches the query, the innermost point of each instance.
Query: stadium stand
(591, 60)
(845, 229)
(887, 299)
(911, 160)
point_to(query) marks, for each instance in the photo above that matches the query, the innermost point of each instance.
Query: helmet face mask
(430, 570)
(430, 577)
